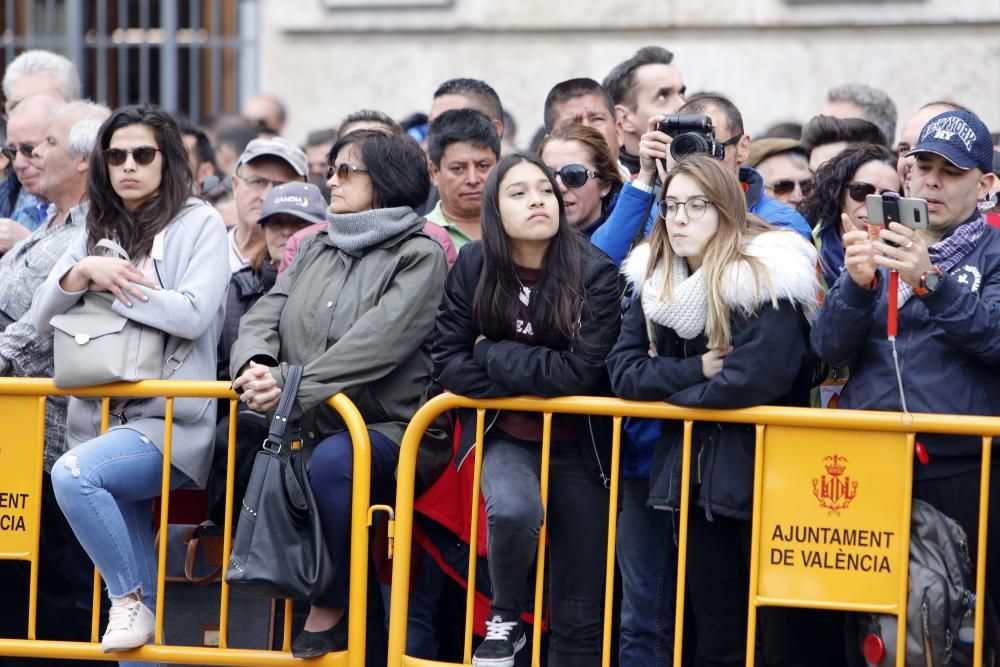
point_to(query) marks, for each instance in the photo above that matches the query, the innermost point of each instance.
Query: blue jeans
(105, 488)
(647, 559)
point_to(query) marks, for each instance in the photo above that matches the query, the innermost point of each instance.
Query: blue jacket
(31, 217)
(615, 238)
(948, 344)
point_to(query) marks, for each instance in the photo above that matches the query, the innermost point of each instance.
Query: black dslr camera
(691, 133)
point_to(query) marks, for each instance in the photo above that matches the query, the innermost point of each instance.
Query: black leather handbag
(278, 550)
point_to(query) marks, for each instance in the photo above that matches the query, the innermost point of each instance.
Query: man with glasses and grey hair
(39, 72)
(265, 163)
(22, 207)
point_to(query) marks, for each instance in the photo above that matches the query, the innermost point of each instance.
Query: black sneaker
(504, 638)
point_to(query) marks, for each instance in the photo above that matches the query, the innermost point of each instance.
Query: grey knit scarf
(355, 232)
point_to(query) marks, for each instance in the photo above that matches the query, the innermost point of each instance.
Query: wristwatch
(929, 281)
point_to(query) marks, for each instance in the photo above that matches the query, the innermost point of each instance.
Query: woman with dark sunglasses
(356, 308)
(174, 280)
(836, 204)
(588, 177)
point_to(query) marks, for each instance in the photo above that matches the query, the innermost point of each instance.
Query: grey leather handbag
(92, 344)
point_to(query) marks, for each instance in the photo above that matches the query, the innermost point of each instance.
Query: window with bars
(198, 57)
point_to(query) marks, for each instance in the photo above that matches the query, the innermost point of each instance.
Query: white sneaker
(130, 625)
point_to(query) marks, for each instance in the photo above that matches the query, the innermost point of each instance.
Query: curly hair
(823, 205)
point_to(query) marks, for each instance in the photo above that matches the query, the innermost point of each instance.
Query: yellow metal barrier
(21, 475)
(830, 437)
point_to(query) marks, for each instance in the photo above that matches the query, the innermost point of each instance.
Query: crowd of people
(395, 260)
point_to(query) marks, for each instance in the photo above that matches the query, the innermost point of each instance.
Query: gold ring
(908, 245)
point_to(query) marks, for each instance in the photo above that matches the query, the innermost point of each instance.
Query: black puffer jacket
(245, 287)
(511, 368)
(770, 364)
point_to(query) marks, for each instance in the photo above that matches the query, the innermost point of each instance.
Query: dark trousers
(647, 558)
(331, 476)
(577, 535)
(718, 579)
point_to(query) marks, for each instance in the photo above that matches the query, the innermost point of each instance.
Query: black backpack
(940, 608)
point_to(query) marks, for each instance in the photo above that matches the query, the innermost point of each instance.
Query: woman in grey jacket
(139, 197)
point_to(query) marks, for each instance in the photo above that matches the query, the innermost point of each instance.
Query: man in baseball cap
(287, 209)
(949, 320)
(265, 163)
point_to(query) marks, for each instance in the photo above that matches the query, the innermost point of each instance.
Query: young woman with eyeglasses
(837, 203)
(356, 308)
(139, 196)
(718, 320)
(588, 177)
(533, 308)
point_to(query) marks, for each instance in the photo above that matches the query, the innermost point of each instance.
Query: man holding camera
(949, 319)
(705, 124)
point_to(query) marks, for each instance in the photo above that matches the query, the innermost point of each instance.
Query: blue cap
(960, 138)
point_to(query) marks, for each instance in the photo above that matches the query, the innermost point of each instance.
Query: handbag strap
(276, 434)
(114, 247)
(175, 360)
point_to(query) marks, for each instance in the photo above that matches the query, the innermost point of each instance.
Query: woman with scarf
(356, 310)
(719, 320)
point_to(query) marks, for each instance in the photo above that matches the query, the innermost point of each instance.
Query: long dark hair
(108, 217)
(825, 202)
(556, 299)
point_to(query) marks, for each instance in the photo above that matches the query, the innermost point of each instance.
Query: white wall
(775, 60)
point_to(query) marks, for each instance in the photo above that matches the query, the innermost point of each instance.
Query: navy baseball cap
(960, 138)
(303, 200)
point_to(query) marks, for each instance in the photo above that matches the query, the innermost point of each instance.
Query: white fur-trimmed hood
(790, 261)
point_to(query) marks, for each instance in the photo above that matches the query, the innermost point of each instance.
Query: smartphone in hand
(907, 211)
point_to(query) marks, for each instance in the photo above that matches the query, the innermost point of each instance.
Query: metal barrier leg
(984, 514)
(543, 474)
(609, 575)
(470, 594)
(758, 489)
(682, 542)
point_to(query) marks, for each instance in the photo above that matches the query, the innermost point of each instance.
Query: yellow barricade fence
(22, 406)
(823, 471)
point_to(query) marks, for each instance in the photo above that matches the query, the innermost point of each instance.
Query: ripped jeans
(105, 488)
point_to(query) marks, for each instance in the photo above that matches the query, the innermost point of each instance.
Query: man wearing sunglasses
(948, 344)
(264, 164)
(784, 166)
(22, 208)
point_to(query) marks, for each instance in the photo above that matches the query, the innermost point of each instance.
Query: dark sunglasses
(858, 190)
(575, 175)
(10, 152)
(344, 171)
(143, 155)
(786, 186)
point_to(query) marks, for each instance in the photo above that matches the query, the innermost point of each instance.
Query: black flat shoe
(314, 644)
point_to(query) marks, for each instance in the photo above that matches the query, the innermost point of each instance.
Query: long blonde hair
(729, 245)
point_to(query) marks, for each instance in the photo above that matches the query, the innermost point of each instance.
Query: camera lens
(688, 143)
